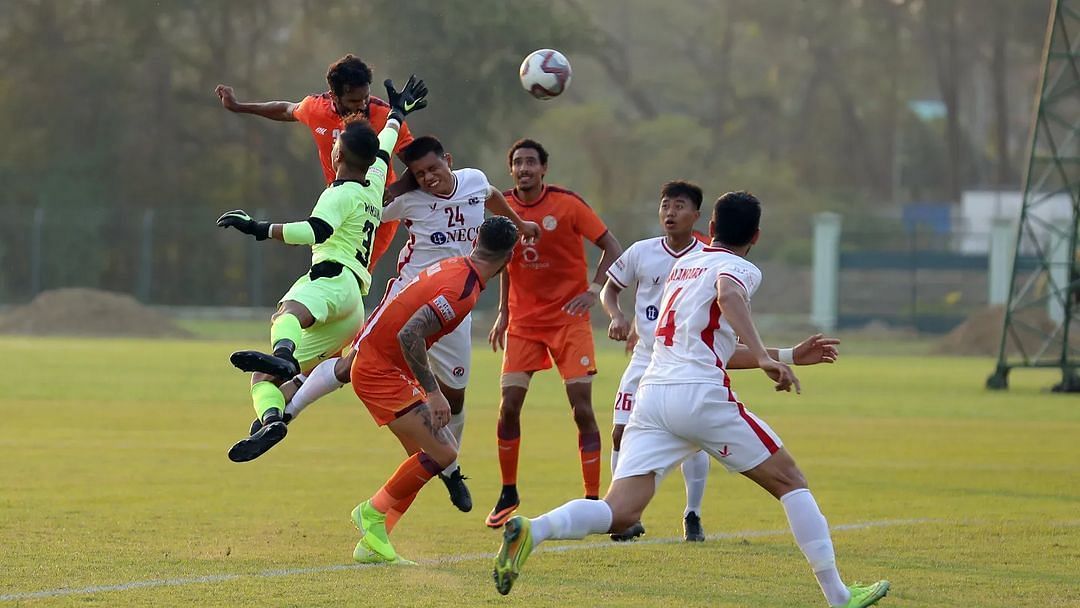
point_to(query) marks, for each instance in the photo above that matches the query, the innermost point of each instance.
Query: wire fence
(928, 281)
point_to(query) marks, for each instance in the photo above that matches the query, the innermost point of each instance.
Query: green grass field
(115, 491)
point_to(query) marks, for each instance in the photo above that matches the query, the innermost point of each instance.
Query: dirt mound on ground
(88, 312)
(980, 334)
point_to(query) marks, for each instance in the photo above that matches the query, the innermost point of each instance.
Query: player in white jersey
(647, 264)
(685, 404)
(443, 214)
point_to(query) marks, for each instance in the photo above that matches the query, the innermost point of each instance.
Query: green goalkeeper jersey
(354, 210)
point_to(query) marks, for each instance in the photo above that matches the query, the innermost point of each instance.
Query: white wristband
(594, 288)
(786, 355)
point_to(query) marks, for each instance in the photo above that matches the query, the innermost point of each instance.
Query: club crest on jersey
(458, 371)
(549, 222)
(652, 313)
(585, 360)
(443, 307)
(439, 238)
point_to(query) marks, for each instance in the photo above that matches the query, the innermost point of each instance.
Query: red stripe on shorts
(760, 432)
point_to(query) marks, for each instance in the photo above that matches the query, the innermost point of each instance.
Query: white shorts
(450, 357)
(624, 399)
(670, 422)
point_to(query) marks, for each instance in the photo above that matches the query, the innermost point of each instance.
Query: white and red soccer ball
(545, 73)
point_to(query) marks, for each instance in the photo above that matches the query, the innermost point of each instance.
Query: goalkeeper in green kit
(324, 308)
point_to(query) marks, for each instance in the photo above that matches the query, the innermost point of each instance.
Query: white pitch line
(437, 561)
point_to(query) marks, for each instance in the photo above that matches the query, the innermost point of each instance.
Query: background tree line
(107, 110)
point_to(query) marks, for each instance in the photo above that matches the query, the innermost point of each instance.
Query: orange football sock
(395, 512)
(508, 459)
(589, 450)
(405, 482)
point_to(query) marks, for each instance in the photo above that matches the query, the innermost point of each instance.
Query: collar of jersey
(452, 192)
(539, 199)
(339, 182)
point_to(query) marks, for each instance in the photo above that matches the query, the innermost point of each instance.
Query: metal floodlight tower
(1044, 296)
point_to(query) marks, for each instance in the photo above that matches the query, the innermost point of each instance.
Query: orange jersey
(700, 236)
(449, 287)
(318, 114)
(544, 276)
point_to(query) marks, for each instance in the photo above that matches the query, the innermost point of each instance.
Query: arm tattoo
(412, 340)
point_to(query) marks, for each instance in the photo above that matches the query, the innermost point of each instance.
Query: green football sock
(266, 396)
(285, 327)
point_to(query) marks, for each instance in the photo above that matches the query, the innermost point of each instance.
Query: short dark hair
(347, 73)
(359, 144)
(421, 147)
(736, 217)
(527, 143)
(497, 236)
(682, 188)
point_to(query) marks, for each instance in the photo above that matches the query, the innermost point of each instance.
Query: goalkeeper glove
(240, 220)
(411, 97)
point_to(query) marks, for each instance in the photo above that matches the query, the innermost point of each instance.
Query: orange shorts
(387, 393)
(532, 349)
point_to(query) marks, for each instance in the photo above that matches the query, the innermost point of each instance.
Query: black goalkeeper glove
(411, 97)
(240, 220)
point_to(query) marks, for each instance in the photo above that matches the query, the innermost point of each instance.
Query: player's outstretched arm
(734, 304)
(619, 329)
(496, 203)
(307, 232)
(412, 338)
(274, 110)
(816, 349)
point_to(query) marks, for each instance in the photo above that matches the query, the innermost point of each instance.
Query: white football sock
(695, 470)
(320, 382)
(574, 520)
(812, 534)
(457, 428)
(614, 461)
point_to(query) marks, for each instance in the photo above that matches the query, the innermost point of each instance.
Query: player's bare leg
(781, 477)
(579, 393)
(515, 386)
(451, 475)
(636, 529)
(622, 506)
(415, 429)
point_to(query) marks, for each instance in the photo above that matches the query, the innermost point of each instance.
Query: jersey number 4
(666, 327)
(363, 254)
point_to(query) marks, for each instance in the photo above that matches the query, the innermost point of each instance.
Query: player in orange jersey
(349, 80)
(392, 376)
(544, 305)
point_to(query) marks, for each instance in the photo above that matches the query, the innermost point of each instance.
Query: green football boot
(372, 525)
(516, 546)
(866, 595)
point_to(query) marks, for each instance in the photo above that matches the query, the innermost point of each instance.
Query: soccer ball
(545, 73)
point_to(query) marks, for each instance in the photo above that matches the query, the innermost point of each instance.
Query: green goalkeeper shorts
(338, 308)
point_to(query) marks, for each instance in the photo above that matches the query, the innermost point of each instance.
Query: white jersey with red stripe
(648, 264)
(693, 342)
(439, 227)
